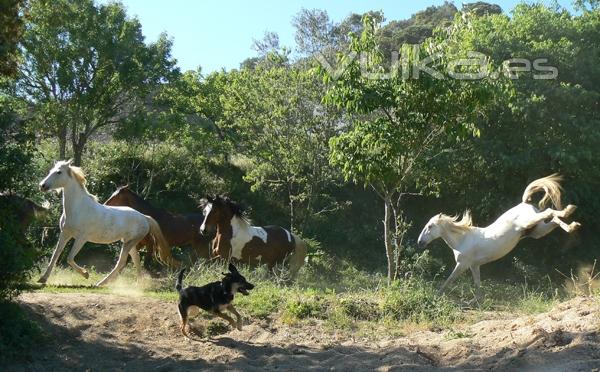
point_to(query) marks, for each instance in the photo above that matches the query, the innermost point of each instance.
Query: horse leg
(542, 229)
(477, 280)
(79, 242)
(549, 214)
(567, 227)
(63, 239)
(458, 269)
(122, 261)
(135, 257)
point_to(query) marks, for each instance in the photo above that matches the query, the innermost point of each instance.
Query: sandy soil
(97, 332)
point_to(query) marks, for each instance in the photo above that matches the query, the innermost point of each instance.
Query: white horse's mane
(79, 176)
(453, 222)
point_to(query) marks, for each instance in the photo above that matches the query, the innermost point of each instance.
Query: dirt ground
(101, 332)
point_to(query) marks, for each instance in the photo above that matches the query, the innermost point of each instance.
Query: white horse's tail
(550, 186)
(161, 248)
(297, 257)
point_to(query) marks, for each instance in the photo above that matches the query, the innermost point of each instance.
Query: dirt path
(97, 332)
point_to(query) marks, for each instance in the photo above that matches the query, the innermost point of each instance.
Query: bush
(306, 305)
(415, 300)
(17, 255)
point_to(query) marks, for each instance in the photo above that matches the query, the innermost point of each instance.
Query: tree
(273, 116)
(16, 153)
(87, 69)
(399, 124)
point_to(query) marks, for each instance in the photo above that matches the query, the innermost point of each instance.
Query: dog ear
(232, 268)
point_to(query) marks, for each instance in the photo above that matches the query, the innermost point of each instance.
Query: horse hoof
(574, 226)
(42, 280)
(86, 274)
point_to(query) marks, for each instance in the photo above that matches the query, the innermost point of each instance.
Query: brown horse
(22, 209)
(179, 229)
(237, 239)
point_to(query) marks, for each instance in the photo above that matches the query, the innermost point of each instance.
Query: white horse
(475, 246)
(86, 220)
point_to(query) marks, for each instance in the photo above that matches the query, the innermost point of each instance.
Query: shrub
(306, 305)
(417, 301)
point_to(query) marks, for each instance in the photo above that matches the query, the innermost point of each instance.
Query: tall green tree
(273, 116)
(399, 123)
(87, 69)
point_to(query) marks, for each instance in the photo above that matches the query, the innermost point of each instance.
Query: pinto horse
(476, 246)
(84, 219)
(179, 229)
(237, 239)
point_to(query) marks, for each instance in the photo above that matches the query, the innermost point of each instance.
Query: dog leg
(184, 317)
(237, 316)
(226, 317)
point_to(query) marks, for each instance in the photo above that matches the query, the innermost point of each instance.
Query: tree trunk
(398, 238)
(387, 233)
(78, 148)
(291, 204)
(62, 143)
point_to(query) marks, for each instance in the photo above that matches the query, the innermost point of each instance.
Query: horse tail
(297, 257)
(161, 248)
(550, 185)
(179, 283)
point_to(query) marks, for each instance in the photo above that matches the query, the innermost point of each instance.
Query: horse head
(121, 197)
(218, 210)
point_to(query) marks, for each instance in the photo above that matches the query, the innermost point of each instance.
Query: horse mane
(236, 208)
(550, 185)
(79, 176)
(464, 224)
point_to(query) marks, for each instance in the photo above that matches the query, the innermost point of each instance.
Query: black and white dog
(213, 297)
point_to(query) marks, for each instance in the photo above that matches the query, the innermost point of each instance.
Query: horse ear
(70, 161)
(232, 268)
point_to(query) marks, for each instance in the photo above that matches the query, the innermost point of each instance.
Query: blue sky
(219, 34)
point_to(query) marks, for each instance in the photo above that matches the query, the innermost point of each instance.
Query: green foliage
(417, 301)
(403, 120)
(307, 305)
(273, 117)
(16, 153)
(16, 254)
(87, 68)
(11, 28)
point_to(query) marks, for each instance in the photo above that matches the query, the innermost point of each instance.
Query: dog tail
(179, 283)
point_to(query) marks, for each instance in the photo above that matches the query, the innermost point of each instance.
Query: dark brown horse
(23, 210)
(237, 239)
(179, 229)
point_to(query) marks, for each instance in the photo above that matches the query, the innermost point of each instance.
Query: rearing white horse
(86, 220)
(475, 246)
